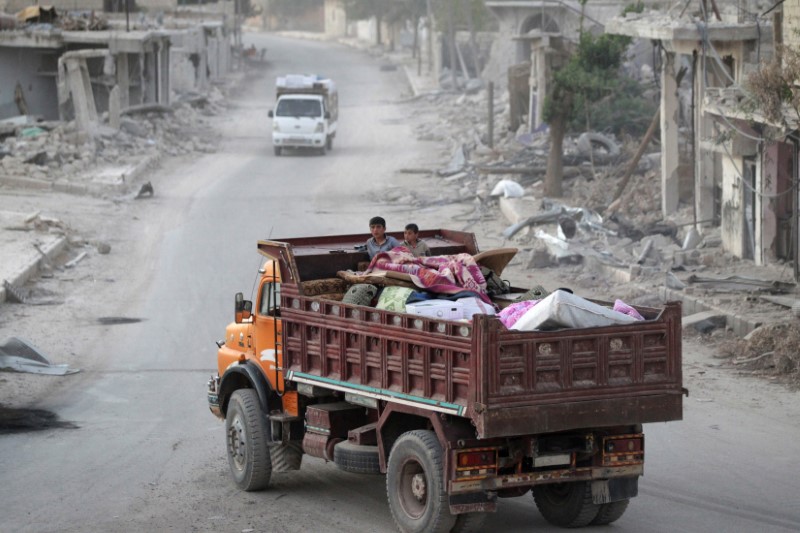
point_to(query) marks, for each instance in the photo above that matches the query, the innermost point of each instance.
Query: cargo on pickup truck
(454, 412)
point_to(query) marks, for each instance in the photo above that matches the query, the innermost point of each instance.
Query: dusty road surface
(146, 455)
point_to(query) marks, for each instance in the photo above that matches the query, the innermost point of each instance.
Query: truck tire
(359, 459)
(277, 150)
(415, 484)
(610, 512)
(590, 141)
(329, 143)
(286, 457)
(566, 504)
(246, 436)
(469, 523)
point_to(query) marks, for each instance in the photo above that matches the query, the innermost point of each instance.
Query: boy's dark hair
(377, 221)
(413, 227)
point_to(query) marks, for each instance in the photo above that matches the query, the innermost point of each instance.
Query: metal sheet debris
(18, 355)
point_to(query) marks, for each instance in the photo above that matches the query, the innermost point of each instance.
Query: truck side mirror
(270, 114)
(243, 309)
(327, 115)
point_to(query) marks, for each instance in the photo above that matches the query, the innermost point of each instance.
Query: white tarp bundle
(565, 310)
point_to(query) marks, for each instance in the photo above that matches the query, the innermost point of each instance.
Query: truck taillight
(476, 463)
(479, 458)
(623, 449)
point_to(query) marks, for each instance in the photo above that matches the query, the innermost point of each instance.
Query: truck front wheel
(415, 484)
(566, 504)
(329, 142)
(277, 150)
(246, 435)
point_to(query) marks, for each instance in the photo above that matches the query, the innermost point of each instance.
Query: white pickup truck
(305, 114)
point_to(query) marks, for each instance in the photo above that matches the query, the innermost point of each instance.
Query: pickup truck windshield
(299, 108)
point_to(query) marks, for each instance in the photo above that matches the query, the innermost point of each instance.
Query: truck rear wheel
(277, 150)
(286, 457)
(246, 436)
(415, 484)
(356, 458)
(610, 512)
(566, 504)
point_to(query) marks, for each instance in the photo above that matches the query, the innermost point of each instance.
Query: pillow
(394, 298)
(360, 294)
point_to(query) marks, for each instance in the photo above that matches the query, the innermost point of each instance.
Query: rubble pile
(53, 151)
(769, 351)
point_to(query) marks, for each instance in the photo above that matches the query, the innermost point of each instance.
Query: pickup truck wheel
(359, 459)
(610, 512)
(566, 504)
(329, 143)
(277, 150)
(469, 523)
(286, 457)
(415, 484)
(246, 435)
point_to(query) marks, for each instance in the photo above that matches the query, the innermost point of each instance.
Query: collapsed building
(59, 73)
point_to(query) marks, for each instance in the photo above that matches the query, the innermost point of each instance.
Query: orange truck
(455, 413)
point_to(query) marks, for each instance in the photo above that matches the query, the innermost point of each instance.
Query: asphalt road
(148, 456)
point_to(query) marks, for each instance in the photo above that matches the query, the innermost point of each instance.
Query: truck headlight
(275, 127)
(320, 128)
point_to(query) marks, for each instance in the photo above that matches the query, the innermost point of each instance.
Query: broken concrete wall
(515, 20)
(335, 18)
(733, 214)
(188, 61)
(791, 21)
(33, 71)
(218, 48)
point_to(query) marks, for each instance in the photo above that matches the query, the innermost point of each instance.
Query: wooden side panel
(380, 350)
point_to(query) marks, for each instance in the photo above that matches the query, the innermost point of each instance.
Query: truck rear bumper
(539, 478)
(306, 140)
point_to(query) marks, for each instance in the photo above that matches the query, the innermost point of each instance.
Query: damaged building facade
(53, 74)
(714, 155)
(742, 181)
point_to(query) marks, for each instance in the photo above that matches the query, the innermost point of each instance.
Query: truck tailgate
(539, 382)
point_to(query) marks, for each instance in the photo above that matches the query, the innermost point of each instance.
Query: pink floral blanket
(445, 274)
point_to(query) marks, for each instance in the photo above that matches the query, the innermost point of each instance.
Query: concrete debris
(741, 283)
(146, 191)
(56, 153)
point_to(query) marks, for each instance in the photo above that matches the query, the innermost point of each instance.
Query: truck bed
(507, 382)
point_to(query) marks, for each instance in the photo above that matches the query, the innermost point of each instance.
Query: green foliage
(625, 111)
(590, 75)
(292, 8)
(638, 7)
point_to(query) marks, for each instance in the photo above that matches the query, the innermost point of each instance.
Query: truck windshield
(299, 108)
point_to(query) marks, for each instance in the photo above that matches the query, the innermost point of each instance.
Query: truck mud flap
(474, 502)
(614, 490)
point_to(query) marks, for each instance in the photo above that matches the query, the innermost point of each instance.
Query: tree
(589, 76)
